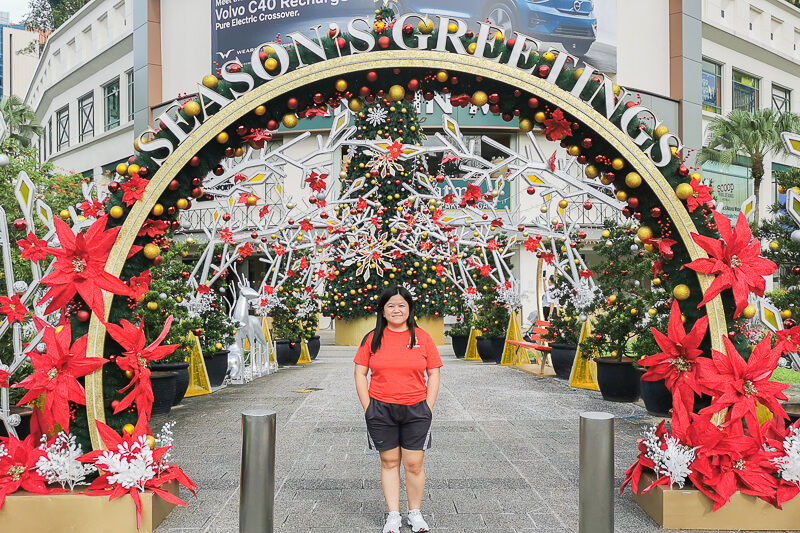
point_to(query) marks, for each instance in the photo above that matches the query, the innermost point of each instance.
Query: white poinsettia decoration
(671, 458)
(131, 465)
(789, 464)
(377, 115)
(60, 463)
(164, 439)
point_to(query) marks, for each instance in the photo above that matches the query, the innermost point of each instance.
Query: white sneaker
(393, 523)
(417, 523)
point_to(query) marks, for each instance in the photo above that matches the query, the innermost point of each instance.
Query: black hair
(381, 323)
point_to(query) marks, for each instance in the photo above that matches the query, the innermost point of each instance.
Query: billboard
(585, 28)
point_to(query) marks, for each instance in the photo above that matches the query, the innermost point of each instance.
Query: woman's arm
(434, 375)
(362, 387)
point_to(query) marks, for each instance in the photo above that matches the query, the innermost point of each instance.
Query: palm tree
(20, 120)
(751, 134)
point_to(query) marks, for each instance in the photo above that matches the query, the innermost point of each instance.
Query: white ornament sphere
(41, 347)
(637, 283)
(186, 224)
(163, 296)
(4, 160)
(609, 244)
(634, 248)
(796, 235)
(20, 286)
(320, 196)
(222, 290)
(14, 420)
(582, 317)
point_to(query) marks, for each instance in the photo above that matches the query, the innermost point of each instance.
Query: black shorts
(390, 425)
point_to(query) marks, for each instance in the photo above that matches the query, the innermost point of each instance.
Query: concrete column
(686, 56)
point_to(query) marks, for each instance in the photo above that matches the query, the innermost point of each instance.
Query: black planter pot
(24, 427)
(181, 382)
(460, 343)
(287, 352)
(490, 350)
(657, 398)
(563, 357)
(618, 380)
(163, 391)
(217, 367)
(313, 347)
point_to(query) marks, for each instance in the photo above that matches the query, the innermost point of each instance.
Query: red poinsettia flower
(557, 126)
(395, 150)
(258, 137)
(547, 256)
(133, 189)
(775, 435)
(532, 244)
(586, 274)
(153, 228)
(634, 472)
(265, 211)
(664, 246)
(203, 289)
(312, 112)
(306, 225)
(279, 249)
(735, 260)
(56, 374)
(472, 195)
(18, 468)
(788, 339)
(140, 284)
(13, 308)
(91, 208)
(131, 448)
(80, 267)
(740, 385)
(226, 235)
(701, 194)
(486, 270)
(4, 379)
(245, 250)
(33, 248)
(135, 359)
(680, 365)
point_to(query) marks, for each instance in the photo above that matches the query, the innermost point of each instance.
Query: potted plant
(215, 336)
(491, 322)
(459, 333)
(309, 322)
(287, 330)
(563, 330)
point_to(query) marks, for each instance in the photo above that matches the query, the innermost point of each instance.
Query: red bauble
(171, 210)
(341, 42)
(20, 224)
(373, 172)
(195, 182)
(511, 42)
(626, 212)
(637, 215)
(544, 71)
(582, 159)
(241, 130)
(408, 29)
(439, 179)
(83, 315)
(113, 187)
(683, 170)
(372, 76)
(533, 103)
(229, 151)
(143, 171)
(428, 96)
(194, 161)
(454, 80)
(174, 225)
(413, 85)
(219, 171)
(610, 176)
(587, 142)
(158, 260)
(292, 103)
(655, 212)
(587, 205)
(262, 55)
(323, 215)
(508, 117)
(197, 192)
(272, 125)
(319, 98)
(198, 332)
(633, 203)
(521, 227)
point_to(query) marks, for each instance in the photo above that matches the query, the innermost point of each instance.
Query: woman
(398, 403)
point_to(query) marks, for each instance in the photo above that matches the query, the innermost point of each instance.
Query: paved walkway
(504, 455)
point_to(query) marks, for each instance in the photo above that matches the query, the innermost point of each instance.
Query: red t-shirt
(397, 373)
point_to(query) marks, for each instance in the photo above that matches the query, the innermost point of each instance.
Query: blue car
(569, 22)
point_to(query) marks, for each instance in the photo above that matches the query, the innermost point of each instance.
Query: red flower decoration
(135, 359)
(134, 189)
(312, 112)
(486, 270)
(13, 308)
(18, 468)
(56, 374)
(395, 150)
(91, 208)
(735, 260)
(680, 365)
(140, 285)
(317, 182)
(80, 267)
(126, 446)
(788, 339)
(664, 247)
(226, 235)
(557, 126)
(203, 289)
(552, 161)
(700, 195)
(4, 378)
(634, 472)
(245, 250)
(586, 273)
(532, 244)
(258, 137)
(472, 195)
(264, 211)
(279, 249)
(739, 385)
(33, 248)
(153, 228)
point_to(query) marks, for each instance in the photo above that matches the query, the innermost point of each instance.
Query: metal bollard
(596, 493)
(257, 489)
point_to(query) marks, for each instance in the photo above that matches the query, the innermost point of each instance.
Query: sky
(17, 9)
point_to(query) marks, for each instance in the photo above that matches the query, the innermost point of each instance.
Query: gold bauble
(472, 47)
(644, 233)
(498, 36)
(479, 98)
(252, 200)
(452, 27)
(684, 191)
(271, 63)
(633, 180)
(151, 442)
(657, 282)
(606, 234)
(355, 105)
(591, 171)
(65, 214)
(540, 117)
(341, 85)
(696, 176)
(122, 169)
(616, 88)
(749, 312)
(652, 311)
(182, 203)
(549, 56)
(239, 152)
(781, 189)
(786, 313)
(543, 209)
(578, 73)
(574, 150)
(649, 248)
(425, 26)
(622, 196)
(617, 164)
(660, 131)
(634, 311)
(396, 93)
(289, 120)
(613, 298)
(222, 138)
(152, 306)
(774, 246)
(260, 110)
(192, 108)
(151, 251)
(525, 125)
(210, 81)
(178, 298)
(681, 292)
(218, 346)
(115, 212)
(158, 210)
(563, 204)
(133, 169)
(442, 76)
(129, 428)
(184, 254)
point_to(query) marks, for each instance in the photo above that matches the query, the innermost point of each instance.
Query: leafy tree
(754, 135)
(48, 15)
(20, 120)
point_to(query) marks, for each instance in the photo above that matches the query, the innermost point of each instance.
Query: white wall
(185, 55)
(18, 68)
(643, 46)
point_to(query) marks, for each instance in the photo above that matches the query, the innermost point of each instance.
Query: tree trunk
(757, 172)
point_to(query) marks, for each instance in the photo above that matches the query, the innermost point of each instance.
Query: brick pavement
(504, 455)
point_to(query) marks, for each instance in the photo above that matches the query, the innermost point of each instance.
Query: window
(712, 86)
(745, 92)
(130, 95)
(111, 104)
(85, 117)
(781, 99)
(62, 128)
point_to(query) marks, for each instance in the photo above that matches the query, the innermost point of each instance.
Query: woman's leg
(415, 476)
(390, 478)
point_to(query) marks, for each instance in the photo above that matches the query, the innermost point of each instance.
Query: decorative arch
(347, 65)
